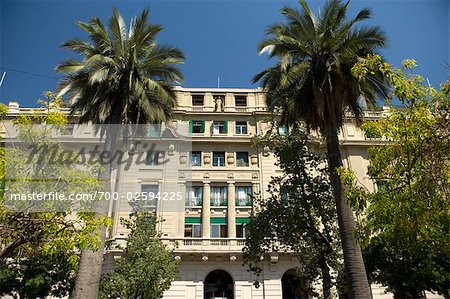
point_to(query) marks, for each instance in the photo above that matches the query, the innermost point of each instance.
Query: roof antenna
(3, 77)
(218, 81)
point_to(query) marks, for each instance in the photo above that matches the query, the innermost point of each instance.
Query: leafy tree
(299, 216)
(39, 240)
(407, 224)
(124, 77)
(312, 82)
(40, 275)
(146, 267)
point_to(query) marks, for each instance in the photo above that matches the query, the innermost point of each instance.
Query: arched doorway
(291, 286)
(218, 284)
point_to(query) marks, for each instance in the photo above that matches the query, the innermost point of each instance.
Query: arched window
(218, 284)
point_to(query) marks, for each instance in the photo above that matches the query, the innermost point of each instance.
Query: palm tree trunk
(353, 261)
(87, 282)
(89, 271)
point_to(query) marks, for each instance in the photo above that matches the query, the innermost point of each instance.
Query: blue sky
(219, 37)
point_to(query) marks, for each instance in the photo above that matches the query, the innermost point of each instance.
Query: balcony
(190, 244)
(204, 244)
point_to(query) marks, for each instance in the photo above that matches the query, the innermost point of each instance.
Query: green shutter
(244, 220)
(192, 220)
(191, 126)
(225, 127)
(218, 220)
(203, 126)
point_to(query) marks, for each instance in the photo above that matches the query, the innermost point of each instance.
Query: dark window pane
(196, 158)
(241, 158)
(218, 158)
(241, 127)
(240, 101)
(197, 100)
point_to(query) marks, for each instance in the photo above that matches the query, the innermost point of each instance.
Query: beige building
(209, 227)
(216, 172)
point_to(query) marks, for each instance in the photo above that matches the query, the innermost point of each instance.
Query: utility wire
(27, 73)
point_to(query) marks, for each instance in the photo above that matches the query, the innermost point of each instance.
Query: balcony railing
(205, 244)
(191, 244)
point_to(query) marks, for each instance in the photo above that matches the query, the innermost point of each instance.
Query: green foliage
(124, 75)
(3, 111)
(40, 275)
(407, 223)
(312, 82)
(40, 241)
(146, 267)
(312, 79)
(300, 215)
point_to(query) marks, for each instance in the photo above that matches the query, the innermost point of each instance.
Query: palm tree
(312, 82)
(124, 77)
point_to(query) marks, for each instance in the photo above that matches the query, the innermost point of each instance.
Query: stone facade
(207, 229)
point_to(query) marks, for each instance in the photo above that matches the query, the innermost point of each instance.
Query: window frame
(193, 226)
(240, 164)
(192, 156)
(222, 200)
(248, 199)
(197, 124)
(188, 195)
(214, 159)
(223, 230)
(237, 98)
(197, 97)
(243, 124)
(244, 231)
(149, 203)
(222, 126)
(155, 158)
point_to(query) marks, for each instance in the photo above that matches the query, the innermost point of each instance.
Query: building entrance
(218, 285)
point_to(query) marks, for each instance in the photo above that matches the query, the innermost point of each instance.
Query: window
(283, 130)
(149, 195)
(240, 101)
(242, 159)
(197, 100)
(196, 158)
(219, 196)
(244, 196)
(154, 131)
(194, 196)
(219, 231)
(197, 126)
(218, 158)
(68, 130)
(241, 127)
(220, 127)
(152, 158)
(240, 230)
(193, 230)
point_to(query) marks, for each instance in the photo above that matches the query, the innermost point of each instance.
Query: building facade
(217, 174)
(209, 229)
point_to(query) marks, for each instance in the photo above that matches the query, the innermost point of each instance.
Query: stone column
(231, 210)
(206, 210)
(255, 193)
